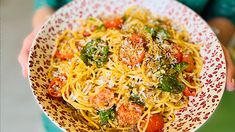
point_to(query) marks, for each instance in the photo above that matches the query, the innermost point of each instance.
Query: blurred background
(19, 111)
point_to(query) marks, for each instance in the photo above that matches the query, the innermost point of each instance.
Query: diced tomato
(136, 39)
(63, 56)
(54, 87)
(137, 59)
(104, 99)
(178, 54)
(134, 52)
(129, 115)
(58, 54)
(156, 123)
(189, 92)
(86, 34)
(189, 59)
(68, 56)
(114, 23)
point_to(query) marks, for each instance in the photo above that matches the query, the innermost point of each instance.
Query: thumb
(230, 71)
(24, 53)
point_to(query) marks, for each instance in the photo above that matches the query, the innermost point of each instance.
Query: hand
(230, 71)
(24, 53)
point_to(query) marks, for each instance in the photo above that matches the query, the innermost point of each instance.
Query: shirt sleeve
(41, 3)
(56, 4)
(222, 8)
(196, 5)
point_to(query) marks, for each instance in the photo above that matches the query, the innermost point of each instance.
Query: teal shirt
(56, 4)
(213, 8)
(206, 8)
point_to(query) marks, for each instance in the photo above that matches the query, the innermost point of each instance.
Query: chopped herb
(106, 115)
(101, 26)
(163, 60)
(181, 66)
(136, 99)
(95, 53)
(150, 30)
(171, 84)
(163, 33)
(86, 52)
(92, 19)
(129, 86)
(125, 17)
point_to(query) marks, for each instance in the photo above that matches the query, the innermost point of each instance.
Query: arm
(41, 15)
(224, 28)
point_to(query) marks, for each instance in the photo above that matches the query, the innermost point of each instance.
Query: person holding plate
(219, 14)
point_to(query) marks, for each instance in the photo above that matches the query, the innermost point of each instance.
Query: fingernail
(231, 87)
(24, 71)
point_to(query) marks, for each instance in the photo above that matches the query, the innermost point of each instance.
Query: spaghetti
(125, 73)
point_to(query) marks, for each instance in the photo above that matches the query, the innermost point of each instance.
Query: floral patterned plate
(212, 77)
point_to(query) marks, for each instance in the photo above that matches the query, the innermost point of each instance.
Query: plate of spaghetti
(144, 66)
